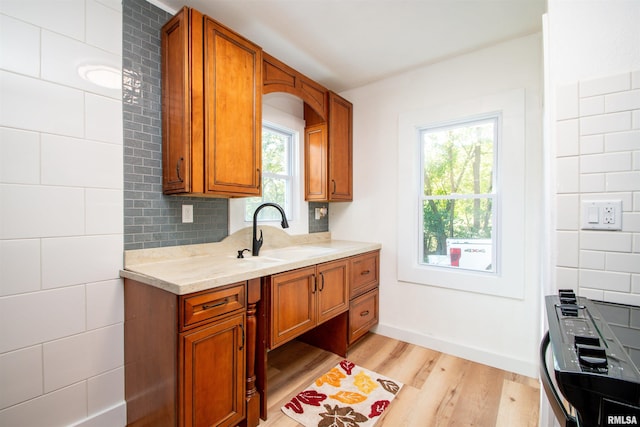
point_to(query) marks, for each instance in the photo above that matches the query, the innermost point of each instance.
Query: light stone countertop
(192, 268)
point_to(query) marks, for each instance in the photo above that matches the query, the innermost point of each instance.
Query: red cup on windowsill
(455, 254)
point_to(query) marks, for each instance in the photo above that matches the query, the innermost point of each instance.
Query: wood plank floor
(439, 389)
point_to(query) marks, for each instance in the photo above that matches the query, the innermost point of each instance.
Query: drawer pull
(214, 305)
(365, 272)
(242, 327)
(364, 313)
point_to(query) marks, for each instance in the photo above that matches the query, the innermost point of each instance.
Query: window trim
(289, 177)
(511, 173)
(496, 118)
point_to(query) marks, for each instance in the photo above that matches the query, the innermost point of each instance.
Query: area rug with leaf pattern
(346, 396)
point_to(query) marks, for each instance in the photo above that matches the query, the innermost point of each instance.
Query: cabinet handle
(334, 186)
(180, 160)
(259, 178)
(216, 304)
(242, 327)
(365, 272)
(321, 282)
(315, 284)
(364, 313)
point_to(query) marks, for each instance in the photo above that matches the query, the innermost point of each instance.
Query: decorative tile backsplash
(152, 219)
(598, 158)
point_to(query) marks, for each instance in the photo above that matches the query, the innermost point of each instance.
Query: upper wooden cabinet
(211, 108)
(329, 152)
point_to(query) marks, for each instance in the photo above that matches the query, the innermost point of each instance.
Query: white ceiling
(344, 44)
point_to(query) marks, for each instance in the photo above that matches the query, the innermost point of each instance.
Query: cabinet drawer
(207, 305)
(363, 315)
(364, 273)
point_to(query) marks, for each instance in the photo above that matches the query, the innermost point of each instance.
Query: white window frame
(289, 177)
(510, 220)
(496, 119)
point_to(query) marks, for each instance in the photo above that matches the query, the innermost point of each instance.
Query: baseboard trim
(522, 367)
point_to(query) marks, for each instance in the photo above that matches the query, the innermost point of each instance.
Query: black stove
(592, 370)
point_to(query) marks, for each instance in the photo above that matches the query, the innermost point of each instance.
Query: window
(277, 173)
(488, 215)
(458, 199)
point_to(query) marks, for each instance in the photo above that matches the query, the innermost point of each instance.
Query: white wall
(61, 299)
(498, 331)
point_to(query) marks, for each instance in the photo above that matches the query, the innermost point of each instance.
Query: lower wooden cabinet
(185, 356)
(364, 303)
(200, 359)
(213, 373)
(301, 300)
(304, 298)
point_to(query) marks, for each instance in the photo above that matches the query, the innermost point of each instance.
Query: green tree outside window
(458, 199)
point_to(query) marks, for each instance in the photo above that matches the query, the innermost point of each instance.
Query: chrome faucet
(257, 243)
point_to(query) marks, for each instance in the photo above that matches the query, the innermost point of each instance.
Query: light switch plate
(187, 213)
(602, 215)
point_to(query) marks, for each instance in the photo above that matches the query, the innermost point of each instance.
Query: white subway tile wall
(61, 215)
(606, 167)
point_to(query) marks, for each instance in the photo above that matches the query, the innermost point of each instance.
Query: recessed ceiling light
(101, 75)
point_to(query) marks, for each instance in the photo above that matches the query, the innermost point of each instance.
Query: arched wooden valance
(279, 77)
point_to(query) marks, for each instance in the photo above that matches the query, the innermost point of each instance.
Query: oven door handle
(554, 399)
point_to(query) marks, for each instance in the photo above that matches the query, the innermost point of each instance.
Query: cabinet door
(333, 292)
(340, 148)
(293, 304)
(176, 103)
(233, 112)
(213, 380)
(315, 162)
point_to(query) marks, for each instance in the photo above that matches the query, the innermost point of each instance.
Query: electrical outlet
(608, 216)
(187, 213)
(602, 215)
